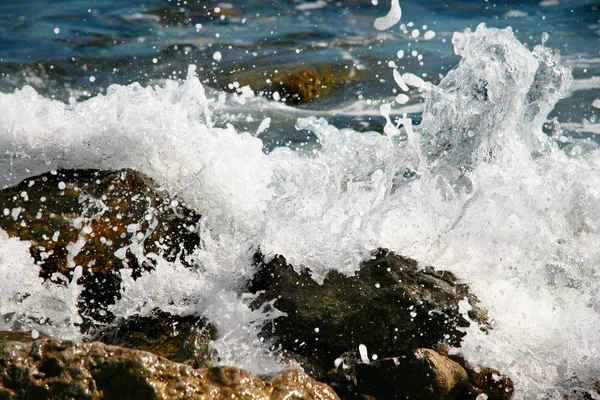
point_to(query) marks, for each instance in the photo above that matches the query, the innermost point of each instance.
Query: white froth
(26, 301)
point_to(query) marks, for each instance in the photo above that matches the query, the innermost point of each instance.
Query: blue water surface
(77, 48)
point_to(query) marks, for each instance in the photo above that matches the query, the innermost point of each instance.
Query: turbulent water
(488, 167)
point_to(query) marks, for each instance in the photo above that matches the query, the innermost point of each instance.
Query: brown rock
(53, 369)
(295, 84)
(184, 339)
(490, 382)
(102, 221)
(484, 380)
(421, 374)
(448, 377)
(20, 336)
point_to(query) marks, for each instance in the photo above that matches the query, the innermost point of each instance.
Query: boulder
(420, 374)
(390, 305)
(102, 221)
(54, 369)
(483, 380)
(184, 339)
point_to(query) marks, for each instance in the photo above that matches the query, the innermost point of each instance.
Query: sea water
(465, 146)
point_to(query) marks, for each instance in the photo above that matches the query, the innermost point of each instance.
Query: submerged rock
(101, 221)
(294, 84)
(184, 339)
(54, 369)
(390, 306)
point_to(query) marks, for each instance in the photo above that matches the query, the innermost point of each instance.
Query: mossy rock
(295, 84)
(103, 221)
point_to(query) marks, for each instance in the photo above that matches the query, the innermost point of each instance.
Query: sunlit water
(469, 175)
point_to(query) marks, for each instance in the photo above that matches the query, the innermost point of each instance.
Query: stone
(102, 221)
(390, 305)
(294, 84)
(54, 369)
(21, 336)
(488, 381)
(184, 339)
(420, 374)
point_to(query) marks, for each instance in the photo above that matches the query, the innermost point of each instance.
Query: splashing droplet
(391, 19)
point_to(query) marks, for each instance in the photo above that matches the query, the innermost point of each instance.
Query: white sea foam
(477, 189)
(27, 302)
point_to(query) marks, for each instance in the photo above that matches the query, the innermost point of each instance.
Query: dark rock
(193, 13)
(390, 305)
(183, 339)
(102, 221)
(421, 374)
(53, 369)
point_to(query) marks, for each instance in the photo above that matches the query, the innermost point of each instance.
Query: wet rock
(193, 13)
(294, 84)
(490, 382)
(184, 339)
(102, 221)
(390, 305)
(482, 380)
(53, 369)
(421, 374)
(21, 336)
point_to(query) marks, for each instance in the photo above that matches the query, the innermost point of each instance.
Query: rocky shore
(383, 333)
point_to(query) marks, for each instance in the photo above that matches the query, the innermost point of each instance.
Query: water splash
(477, 189)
